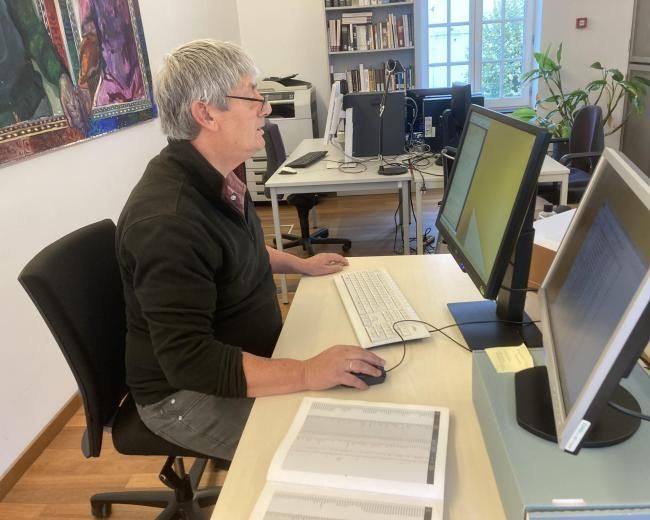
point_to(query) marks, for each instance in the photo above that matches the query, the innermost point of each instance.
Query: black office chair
(76, 286)
(275, 156)
(586, 144)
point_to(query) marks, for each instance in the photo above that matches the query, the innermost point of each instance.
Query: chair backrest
(75, 284)
(275, 152)
(587, 135)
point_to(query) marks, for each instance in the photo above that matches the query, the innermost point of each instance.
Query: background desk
(434, 372)
(317, 178)
(552, 171)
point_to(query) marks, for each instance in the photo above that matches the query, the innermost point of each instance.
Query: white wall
(45, 197)
(286, 37)
(606, 39)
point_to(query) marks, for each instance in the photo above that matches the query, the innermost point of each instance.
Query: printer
(293, 107)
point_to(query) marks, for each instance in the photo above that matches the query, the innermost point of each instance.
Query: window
(487, 43)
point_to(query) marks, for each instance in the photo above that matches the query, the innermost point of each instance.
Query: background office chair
(586, 144)
(75, 284)
(275, 156)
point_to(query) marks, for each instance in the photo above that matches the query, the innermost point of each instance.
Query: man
(202, 311)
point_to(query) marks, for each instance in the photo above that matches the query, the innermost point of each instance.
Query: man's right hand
(335, 365)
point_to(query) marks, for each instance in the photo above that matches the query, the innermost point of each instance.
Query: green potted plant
(556, 112)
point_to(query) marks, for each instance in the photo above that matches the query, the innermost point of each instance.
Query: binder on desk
(359, 460)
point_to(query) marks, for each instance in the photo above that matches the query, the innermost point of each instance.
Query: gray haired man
(202, 311)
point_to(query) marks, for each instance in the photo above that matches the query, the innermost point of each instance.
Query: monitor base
(493, 333)
(535, 411)
(392, 170)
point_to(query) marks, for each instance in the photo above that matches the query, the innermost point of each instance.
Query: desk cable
(441, 329)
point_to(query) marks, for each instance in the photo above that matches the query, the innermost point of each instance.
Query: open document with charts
(358, 460)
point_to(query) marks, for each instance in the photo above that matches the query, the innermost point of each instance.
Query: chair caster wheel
(347, 247)
(101, 510)
(325, 234)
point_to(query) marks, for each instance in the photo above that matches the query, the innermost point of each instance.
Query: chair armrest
(567, 158)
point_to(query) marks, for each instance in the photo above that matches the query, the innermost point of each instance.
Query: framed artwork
(69, 70)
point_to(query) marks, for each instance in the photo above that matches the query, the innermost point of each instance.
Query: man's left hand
(324, 263)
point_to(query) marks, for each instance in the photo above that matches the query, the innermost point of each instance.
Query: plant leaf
(595, 85)
(617, 75)
(596, 65)
(559, 54)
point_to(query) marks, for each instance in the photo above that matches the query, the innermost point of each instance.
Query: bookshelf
(361, 38)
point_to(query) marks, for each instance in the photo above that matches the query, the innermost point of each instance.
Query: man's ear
(205, 115)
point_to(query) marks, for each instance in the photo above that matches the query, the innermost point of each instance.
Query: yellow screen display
(482, 194)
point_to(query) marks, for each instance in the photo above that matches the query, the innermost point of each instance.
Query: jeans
(204, 423)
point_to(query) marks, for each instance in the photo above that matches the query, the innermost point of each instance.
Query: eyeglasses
(263, 101)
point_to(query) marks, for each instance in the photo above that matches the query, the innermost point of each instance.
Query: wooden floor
(58, 485)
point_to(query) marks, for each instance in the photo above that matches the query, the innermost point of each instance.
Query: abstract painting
(69, 70)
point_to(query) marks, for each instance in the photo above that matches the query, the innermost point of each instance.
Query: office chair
(586, 144)
(275, 156)
(76, 286)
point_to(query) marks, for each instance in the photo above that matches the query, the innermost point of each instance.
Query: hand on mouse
(334, 367)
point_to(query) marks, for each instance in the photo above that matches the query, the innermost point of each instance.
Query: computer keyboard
(305, 160)
(374, 303)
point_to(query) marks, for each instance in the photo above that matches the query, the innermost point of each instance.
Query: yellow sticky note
(510, 359)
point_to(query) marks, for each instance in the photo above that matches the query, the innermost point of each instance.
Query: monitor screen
(595, 294)
(492, 186)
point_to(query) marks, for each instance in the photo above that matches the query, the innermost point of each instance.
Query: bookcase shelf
(375, 34)
(364, 7)
(373, 50)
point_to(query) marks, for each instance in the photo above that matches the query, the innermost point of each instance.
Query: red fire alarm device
(581, 23)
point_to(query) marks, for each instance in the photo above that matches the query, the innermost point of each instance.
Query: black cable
(629, 412)
(441, 329)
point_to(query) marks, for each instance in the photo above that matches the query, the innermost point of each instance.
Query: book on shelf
(355, 32)
(369, 79)
(354, 459)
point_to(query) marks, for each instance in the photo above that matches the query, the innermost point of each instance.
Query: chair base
(320, 236)
(183, 501)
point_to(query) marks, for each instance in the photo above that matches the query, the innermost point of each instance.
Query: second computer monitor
(595, 303)
(486, 219)
(365, 123)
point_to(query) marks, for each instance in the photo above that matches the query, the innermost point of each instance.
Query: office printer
(293, 109)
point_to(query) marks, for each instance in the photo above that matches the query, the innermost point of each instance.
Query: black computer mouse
(372, 380)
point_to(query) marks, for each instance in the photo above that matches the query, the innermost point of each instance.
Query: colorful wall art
(69, 70)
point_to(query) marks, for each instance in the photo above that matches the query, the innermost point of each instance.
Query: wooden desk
(435, 372)
(318, 178)
(552, 171)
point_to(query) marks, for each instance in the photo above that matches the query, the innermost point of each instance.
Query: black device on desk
(424, 112)
(365, 123)
(486, 219)
(308, 159)
(371, 380)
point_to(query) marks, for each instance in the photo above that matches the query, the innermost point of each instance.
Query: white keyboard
(374, 303)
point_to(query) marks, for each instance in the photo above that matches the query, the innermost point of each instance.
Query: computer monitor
(333, 113)
(362, 111)
(453, 120)
(595, 303)
(486, 219)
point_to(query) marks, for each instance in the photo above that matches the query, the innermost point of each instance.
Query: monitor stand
(503, 322)
(482, 327)
(535, 411)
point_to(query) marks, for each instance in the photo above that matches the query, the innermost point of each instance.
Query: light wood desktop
(431, 178)
(318, 178)
(435, 371)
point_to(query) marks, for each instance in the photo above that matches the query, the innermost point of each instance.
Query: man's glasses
(262, 101)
